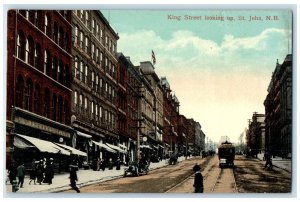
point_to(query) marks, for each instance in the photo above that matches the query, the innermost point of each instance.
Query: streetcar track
(219, 177)
(205, 163)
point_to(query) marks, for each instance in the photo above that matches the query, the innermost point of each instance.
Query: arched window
(80, 101)
(97, 55)
(37, 55)
(96, 112)
(47, 29)
(47, 63)
(36, 99)
(60, 71)
(29, 53)
(93, 52)
(54, 68)
(55, 33)
(54, 107)
(61, 39)
(66, 42)
(46, 103)
(100, 112)
(28, 95)
(21, 45)
(19, 91)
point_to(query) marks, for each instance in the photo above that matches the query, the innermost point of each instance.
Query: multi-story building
(196, 137)
(256, 134)
(183, 134)
(153, 80)
(94, 106)
(38, 82)
(171, 113)
(278, 110)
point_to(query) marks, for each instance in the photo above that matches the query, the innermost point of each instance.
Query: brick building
(171, 113)
(94, 72)
(38, 82)
(278, 110)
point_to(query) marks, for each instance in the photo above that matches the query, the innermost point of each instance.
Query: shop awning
(72, 150)
(43, 145)
(83, 135)
(116, 148)
(105, 147)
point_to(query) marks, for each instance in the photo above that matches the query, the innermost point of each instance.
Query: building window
(93, 79)
(47, 25)
(76, 73)
(81, 40)
(28, 95)
(60, 72)
(30, 51)
(81, 71)
(19, 91)
(100, 112)
(97, 56)
(97, 32)
(80, 102)
(92, 109)
(66, 42)
(55, 33)
(97, 83)
(54, 109)
(54, 68)
(75, 98)
(85, 103)
(46, 102)
(86, 74)
(36, 104)
(96, 111)
(93, 26)
(37, 53)
(47, 63)
(93, 51)
(60, 109)
(81, 15)
(87, 19)
(76, 35)
(86, 44)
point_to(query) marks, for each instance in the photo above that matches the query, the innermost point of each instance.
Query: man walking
(198, 181)
(21, 174)
(73, 178)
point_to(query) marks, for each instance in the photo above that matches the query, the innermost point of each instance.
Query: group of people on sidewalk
(42, 171)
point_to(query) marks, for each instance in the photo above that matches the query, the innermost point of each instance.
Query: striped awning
(43, 145)
(105, 147)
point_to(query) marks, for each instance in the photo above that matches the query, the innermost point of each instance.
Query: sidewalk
(85, 177)
(285, 164)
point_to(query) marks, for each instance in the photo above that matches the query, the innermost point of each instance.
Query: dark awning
(41, 145)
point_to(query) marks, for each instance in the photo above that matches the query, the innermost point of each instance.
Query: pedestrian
(268, 160)
(49, 172)
(98, 164)
(103, 164)
(33, 171)
(40, 172)
(21, 174)
(118, 164)
(12, 173)
(73, 177)
(198, 181)
(110, 164)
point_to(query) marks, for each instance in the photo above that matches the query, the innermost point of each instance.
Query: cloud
(217, 84)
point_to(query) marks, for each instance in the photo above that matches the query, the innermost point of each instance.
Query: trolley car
(226, 152)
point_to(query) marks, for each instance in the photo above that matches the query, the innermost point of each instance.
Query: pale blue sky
(219, 70)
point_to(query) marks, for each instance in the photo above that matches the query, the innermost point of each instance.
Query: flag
(153, 58)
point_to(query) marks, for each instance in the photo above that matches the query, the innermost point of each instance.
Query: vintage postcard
(149, 101)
